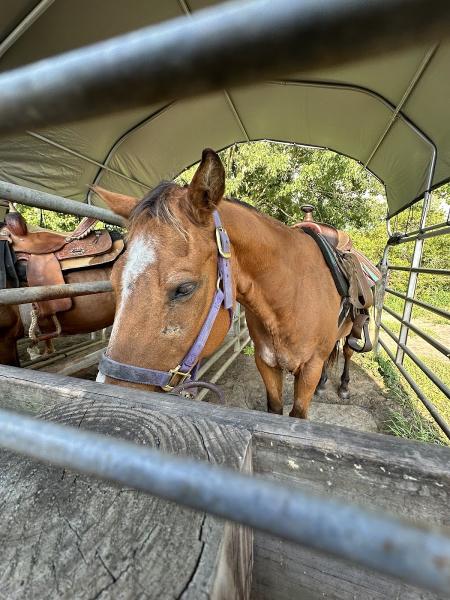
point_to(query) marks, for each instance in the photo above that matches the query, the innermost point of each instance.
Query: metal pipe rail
(440, 347)
(420, 235)
(29, 197)
(434, 309)
(426, 270)
(422, 366)
(367, 538)
(214, 49)
(431, 408)
(422, 230)
(49, 292)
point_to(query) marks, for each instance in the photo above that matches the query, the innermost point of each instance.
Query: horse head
(167, 280)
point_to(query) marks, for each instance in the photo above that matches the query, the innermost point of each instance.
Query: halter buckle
(173, 382)
(222, 252)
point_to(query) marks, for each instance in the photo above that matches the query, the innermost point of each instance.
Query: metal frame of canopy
(92, 454)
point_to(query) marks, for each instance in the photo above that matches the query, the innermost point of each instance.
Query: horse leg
(8, 352)
(345, 377)
(305, 383)
(320, 389)
(273, 380)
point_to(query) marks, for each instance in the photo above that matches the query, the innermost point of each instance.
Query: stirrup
(360, 326)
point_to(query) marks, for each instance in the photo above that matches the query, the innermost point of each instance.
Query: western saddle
(353, 273)
(48, 254)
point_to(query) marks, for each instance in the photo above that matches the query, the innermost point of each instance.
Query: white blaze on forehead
(140, 255)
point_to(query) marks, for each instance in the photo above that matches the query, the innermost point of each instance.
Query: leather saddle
(335, 237)
(353, 273)
(47, 254)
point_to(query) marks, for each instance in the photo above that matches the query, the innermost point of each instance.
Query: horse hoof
(297, 415)
(344, 394)
(320, 391)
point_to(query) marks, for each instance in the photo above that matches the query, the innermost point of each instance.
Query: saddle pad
(329, 255)
(44, 269)
(372, 273)
(82, 262)
(8, 272)
(97, 242)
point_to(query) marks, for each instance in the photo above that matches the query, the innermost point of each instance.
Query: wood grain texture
(392, 485)
(404, 478)
(66, 535)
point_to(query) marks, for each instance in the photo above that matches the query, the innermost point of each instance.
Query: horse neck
(263, 251)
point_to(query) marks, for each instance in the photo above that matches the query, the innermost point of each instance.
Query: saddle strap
(359, 291)
(44, 269)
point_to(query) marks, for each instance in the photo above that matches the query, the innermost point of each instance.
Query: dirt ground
(365, 410)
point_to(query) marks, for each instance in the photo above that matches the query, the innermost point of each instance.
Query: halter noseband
(186, 370)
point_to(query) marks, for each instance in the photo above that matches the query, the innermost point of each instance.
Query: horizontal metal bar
(428, 228)
(50, 292)
(220, 352)
(445, 272)
(48, 359)
(416, 360)
(410, 237)
(442, 423)
(438, 311)
(218, 374)
(367, 538)
(29, 197)
(189, 56)
(440, 347)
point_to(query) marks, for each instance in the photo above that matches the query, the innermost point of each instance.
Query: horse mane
(156, 205)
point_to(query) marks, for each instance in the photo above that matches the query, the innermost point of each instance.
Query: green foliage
(407, 421)
(279, 178)
(48, 219)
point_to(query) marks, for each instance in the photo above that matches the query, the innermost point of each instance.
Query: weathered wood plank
(386, 485)
(26, 390)
(77, 536)
(378, 471)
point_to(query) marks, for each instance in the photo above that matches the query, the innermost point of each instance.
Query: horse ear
(119, 203)
(207, 186)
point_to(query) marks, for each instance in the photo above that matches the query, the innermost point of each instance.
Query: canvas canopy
(390, 113)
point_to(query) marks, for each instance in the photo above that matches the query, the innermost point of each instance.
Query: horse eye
(183, 290)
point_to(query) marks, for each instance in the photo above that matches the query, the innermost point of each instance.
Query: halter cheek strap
(186, 370)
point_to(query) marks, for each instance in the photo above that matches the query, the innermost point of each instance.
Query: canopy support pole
(24, 25)
(412, 84)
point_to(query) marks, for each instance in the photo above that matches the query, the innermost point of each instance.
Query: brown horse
(88, 313)
(166, 280)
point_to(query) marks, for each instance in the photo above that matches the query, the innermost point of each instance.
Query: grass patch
(407, 421)
(249, 350)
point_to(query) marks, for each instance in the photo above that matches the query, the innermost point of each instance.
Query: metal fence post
(380, 291)
(412, 282)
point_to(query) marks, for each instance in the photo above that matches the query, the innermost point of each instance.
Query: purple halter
(186, 370)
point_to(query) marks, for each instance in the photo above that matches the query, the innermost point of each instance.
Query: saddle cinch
(48, 254)
(353, 273)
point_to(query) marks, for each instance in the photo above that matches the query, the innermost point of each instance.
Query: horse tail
(334, 354)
